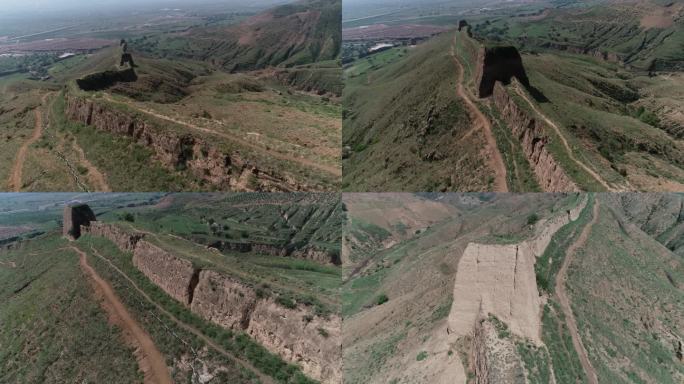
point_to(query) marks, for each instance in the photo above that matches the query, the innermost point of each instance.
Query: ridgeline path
(565, 301)
(568, 150)
(495, 160)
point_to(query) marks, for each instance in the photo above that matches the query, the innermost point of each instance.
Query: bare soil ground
(152, 363)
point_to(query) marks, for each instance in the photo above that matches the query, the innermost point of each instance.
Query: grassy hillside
(49, 327)
(404, 127)
(299, 33)
(645, 34)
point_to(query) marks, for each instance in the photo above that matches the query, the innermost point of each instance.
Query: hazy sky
(42, 6)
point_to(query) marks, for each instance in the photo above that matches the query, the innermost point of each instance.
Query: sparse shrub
(532, 219)
(323, 332)
(127, 216)
(286, 302)
(422, 356)
(382, 299)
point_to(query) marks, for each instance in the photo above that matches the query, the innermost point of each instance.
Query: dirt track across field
(152, 362)
(14, 184)
(239, 361)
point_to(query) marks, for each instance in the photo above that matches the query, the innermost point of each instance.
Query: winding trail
(333, 170)
(265, 379)
(565, 301)
(151, 361)
(14, 182)
(95, 177)
(569, 151)
(496, 160)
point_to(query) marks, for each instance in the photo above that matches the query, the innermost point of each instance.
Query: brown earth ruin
(201, 158)
(75, 217)
(498, 64)
(297, 334)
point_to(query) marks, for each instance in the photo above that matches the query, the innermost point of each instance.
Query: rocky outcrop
(176, 276)
(204, 160)
(123, 239)
(74, 217)
(499, 280)
(533, 139)
(223, 300)
(498, 64)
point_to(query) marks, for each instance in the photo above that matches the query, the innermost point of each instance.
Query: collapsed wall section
(534, 141)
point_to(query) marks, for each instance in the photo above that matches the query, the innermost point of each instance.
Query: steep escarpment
(498, 64)
(531, 133)
(75, 216)
(201, 158)
(295, 332)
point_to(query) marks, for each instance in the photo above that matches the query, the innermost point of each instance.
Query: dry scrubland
(513, 288)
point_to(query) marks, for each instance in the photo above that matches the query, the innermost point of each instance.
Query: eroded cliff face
(123, 239)
(296, 334)
(494, 359)
(498, 64)
(175, 151)
(301, 337)
(533, 139)
(174, 275)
